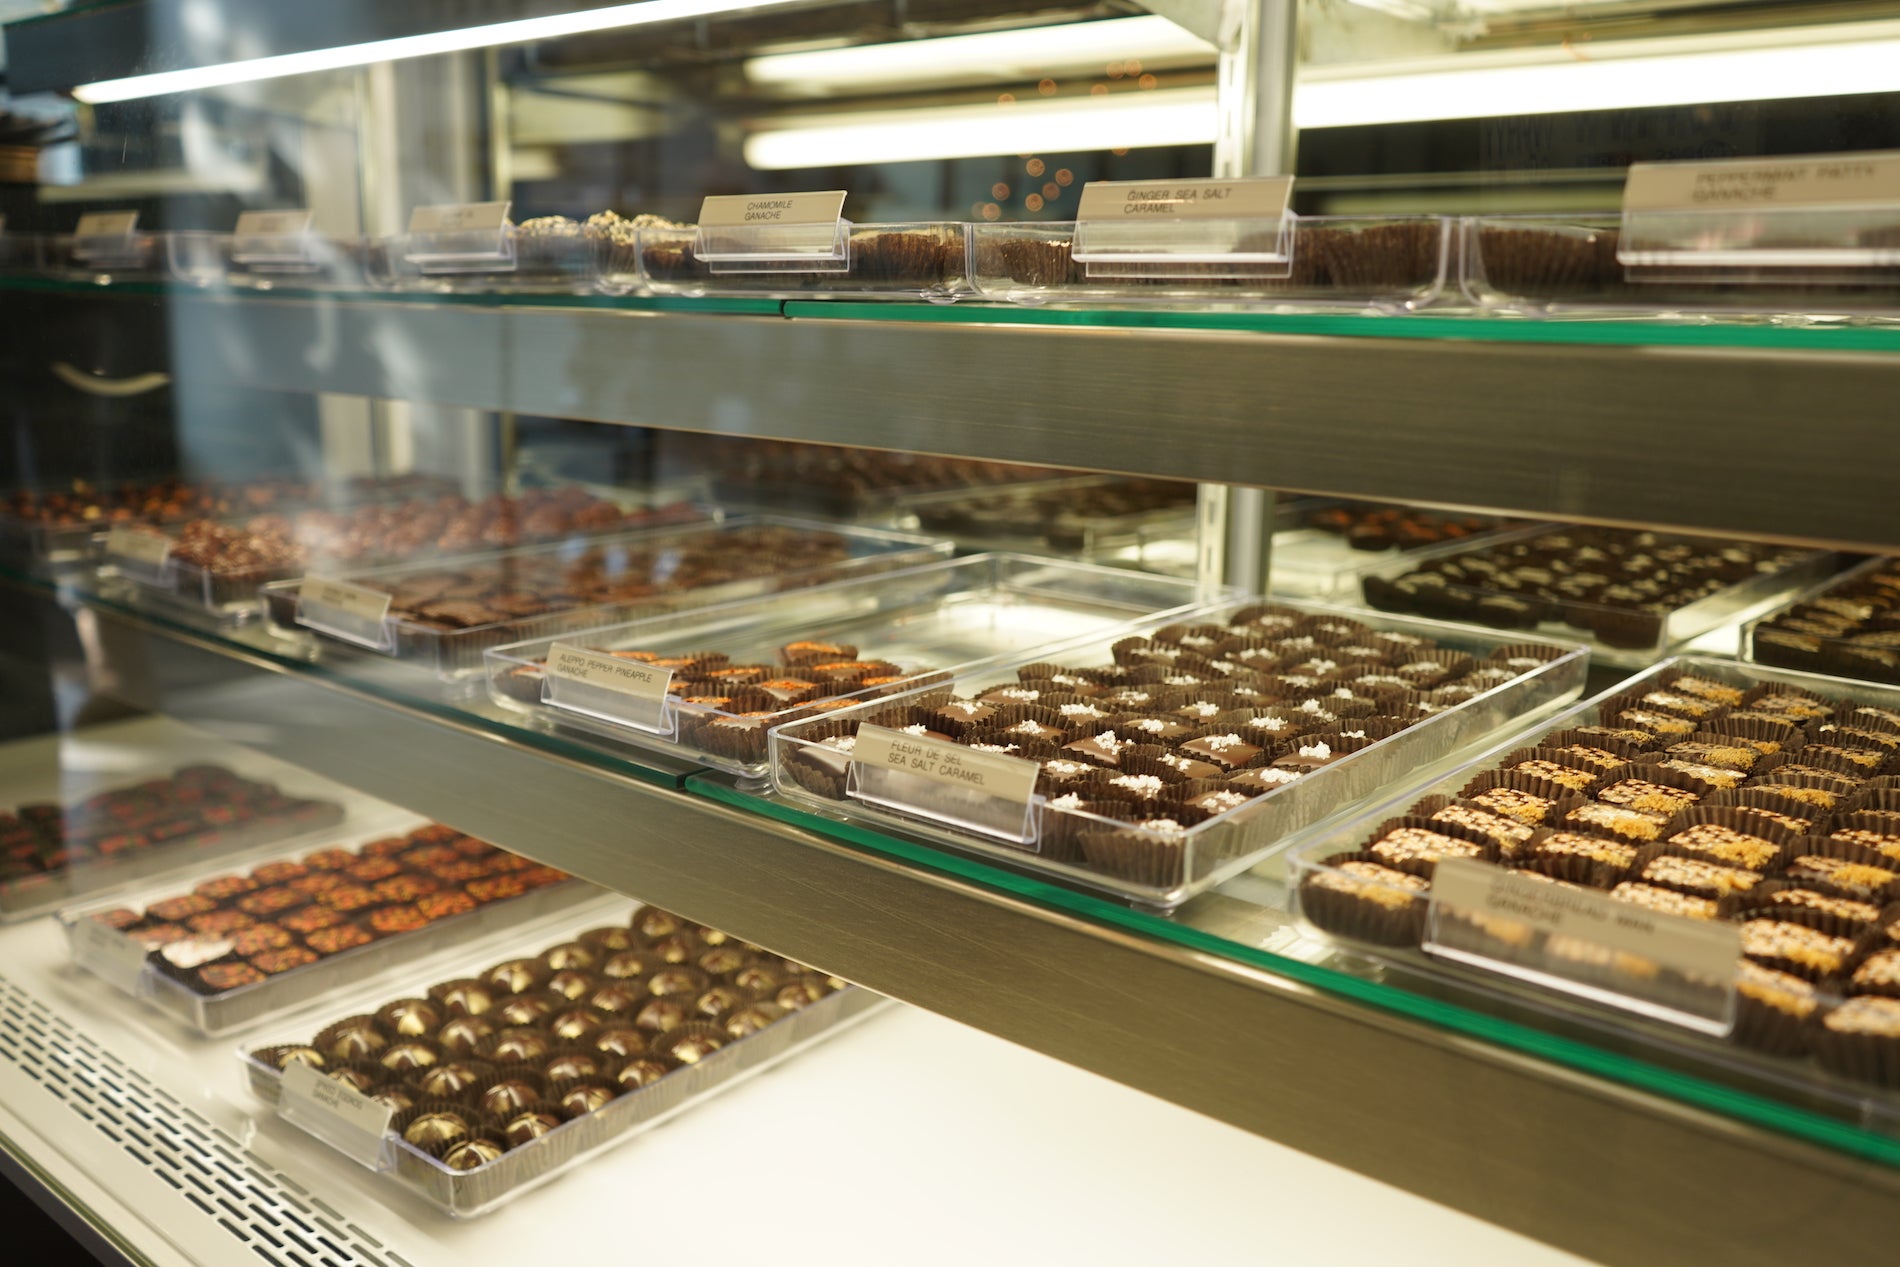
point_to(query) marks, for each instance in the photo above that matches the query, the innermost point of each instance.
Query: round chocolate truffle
(572, 1065)
(412, 1018)
(445, 1082)
(608, 940)
(661, 1015)
(643, 1072)
(509, 1097)
(619, 1041)
(529, 1009)
(360, 1079)
(472, 1154)
(585, 1098)
(569, 955)
(628, 964)
(430, 1130)
(396, 1098)
(464, 1034)
(571, 983)
(573, 1024)
(653, 923)
(467, 998)
(719, 999)
(517, 976)
(800, 993)
(615, 997)
(408, 1057)
(285, 1057)
(723, 961)
(750, 1020)
(525, 1128)
(691, 1048)
(521, 1045)
(675, 981)
(354, 1038)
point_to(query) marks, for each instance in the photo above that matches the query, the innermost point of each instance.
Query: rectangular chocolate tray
(468, 1194)
(1310, 563)
(231, 594)
(532, 264)
(910, 260)
(214, 1015)
(1819, 653)
(1739, 1058)
(1031, 517)
(1545, 265)
(457, 653)
(46, 892)
(1393, 263)
(1239, 839)
(1643, 642)
(934, 621)
(35, 543)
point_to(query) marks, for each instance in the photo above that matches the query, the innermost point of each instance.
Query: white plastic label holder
(1731, 219)
(945, 782)
(774, 233)
(275, 241)
(608, 688)
(1186, 228)
(1585, 943)
(353, 613)
(473, 237)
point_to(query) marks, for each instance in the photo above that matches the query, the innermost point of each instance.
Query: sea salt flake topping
(917, 728)
(1146, 784)
(1221, 743)
(1319, 751)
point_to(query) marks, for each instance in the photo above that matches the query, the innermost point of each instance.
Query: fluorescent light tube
(1607, 76)
(1132, 120)
(1021, 55)
(520, 31)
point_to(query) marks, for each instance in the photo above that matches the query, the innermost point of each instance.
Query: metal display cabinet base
(1457, 1108)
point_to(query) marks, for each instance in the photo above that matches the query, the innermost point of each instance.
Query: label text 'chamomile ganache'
(990, 774)
(1832, 180)
(725, 211)
(569, 663)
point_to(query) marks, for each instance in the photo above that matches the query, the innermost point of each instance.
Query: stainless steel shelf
(1694, 434)
(1523, 1142)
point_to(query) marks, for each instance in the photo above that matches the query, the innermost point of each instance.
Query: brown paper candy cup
(1364, 911)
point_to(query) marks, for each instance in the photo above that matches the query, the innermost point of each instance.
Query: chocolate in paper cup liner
(1629, 752)
(1592, 873)
(1762, 903)
(669, 1044)
(1650, 772)
(1046, 671)
(1140, 650)
(1141, 792)
(1800, 794)
(1063, 825)
(474, 1122)
(1840, 763)
(1845, 851)
(1789, 736)
(1556, 756)
(1778, 838)
(279, 1056)
(1747, 881)
(1361, 908)
(1488, 850)
(1559, 818)
(1275, 616)
(327, 1036)
(1517, 781)
(1610, 713)
(1332, 624)
(1820, 973)
(1455, 665)
(1884, 822)
(1028, 747)
(1876, 949)
(1156, 859)
(1147, 673)
(1867, 721)
(1180, 634)
(418, 1080)
(499, 1074)
(1775, 1031)
(1240, 761)
(1864, 1057)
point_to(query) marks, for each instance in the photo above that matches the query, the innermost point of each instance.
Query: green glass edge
(1754, 1109)
(1498, 328)
(1490, 328)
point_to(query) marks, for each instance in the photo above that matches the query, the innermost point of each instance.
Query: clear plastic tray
(1164, 871)
(1311, 562)
(1621, 636)
(926, 259)
(528, 263)
(1536, 265)
(233, 1009)
(1396, 263)
(1091, 518)
(208, 259)
(231, 593)
(45, 891)
(467, 1194)
(1756, 1054)
(933, 621)
(36, 541)
(646, 560)
(1867, 649)
(139, 257)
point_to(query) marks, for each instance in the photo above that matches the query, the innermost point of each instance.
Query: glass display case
(588, 591)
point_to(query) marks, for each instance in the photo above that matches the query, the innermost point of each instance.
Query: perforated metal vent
(266, 1210)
